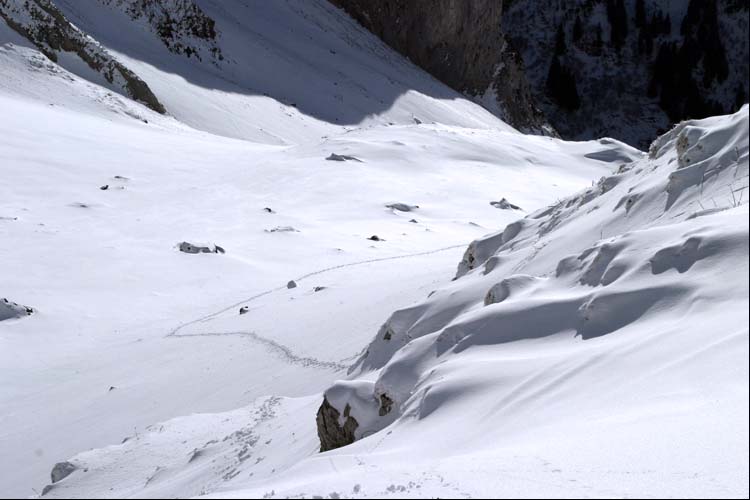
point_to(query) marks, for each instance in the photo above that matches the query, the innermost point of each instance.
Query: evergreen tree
(645, 42)
(598, 41)
(561, 86)
(560, 46)
(740, 97)
(577, 30)
(640, 14)
(618, 21)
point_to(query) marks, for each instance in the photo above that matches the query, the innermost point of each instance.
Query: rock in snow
(596, 347)
(402, 207)
(336, 157)
(282, 229)
(200, 248)
(504, 205)
(10, 310)
(332, 433)
(62, 470)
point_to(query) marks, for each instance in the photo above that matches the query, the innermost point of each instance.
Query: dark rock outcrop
(460, 43)
(626, 69)
(187, 247)
(62, 470)
(629, 69)
(42, 23)
(180, 24)
(331, 433)
(11, 310)
(386, 405)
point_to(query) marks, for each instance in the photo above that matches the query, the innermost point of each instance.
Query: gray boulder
(333, 435)
(194, 248)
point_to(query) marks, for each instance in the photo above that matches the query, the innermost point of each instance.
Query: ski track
(285, 352)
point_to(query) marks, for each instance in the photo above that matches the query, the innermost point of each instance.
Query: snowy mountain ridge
(43, 24)
(226, 268)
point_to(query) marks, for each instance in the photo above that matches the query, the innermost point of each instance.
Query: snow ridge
(42, 22)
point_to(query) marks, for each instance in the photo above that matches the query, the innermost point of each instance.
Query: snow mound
(194, 455)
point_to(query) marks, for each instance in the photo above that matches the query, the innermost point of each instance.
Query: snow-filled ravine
(180, 293)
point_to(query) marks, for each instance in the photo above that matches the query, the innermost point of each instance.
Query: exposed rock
(282, 229)
(633, 75)
(504, 204)
(41, 22)
(180, 24)
(386, 405)
(590, 68)
(291, 284)
(11, 310)
(331, 433)
(319, 288)
(375, 237)
(244, 310)
(269, 210)
(62, 470)
(460, 43)
(199, 248)
(336, 157)
(402, 207)
(104, 187)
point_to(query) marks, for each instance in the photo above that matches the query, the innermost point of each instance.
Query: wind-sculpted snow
(624, 270)
(596, 347)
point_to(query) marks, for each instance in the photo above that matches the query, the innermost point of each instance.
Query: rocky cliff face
(42, 23)
(620, 68)
(460, 43)
(629, 68)
(180, 24)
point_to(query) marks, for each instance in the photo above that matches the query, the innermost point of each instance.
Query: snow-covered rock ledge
(652, 254)
(42, 23)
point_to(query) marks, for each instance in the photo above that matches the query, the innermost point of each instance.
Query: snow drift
(640, 282)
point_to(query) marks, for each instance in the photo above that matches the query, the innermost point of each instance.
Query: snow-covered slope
(287, 71)
(43, 24)
(597, 347)
(99, 192)
(615, 319)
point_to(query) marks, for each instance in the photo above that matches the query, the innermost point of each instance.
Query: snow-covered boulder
(187, 247)
(11, 310)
